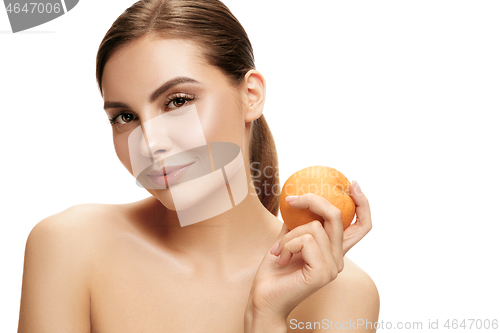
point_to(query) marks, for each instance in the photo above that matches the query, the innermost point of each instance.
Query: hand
(306, 258)
(363, 224)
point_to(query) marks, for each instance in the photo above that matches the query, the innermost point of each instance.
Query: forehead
(139, 67)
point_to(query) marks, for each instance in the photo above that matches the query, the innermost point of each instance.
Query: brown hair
(226, 47)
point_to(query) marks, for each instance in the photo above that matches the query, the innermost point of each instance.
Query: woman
(140, 267)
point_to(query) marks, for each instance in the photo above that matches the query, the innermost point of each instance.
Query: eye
(178, 101)
(122, 118)
(125, 118)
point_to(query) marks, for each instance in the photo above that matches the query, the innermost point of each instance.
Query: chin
(205, 193)
(199, 199)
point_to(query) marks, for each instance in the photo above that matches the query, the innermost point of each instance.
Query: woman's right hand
(309, 257)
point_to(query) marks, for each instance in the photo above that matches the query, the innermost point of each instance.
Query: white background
(401, 96)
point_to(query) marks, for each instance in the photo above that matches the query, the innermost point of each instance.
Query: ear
(255, 89)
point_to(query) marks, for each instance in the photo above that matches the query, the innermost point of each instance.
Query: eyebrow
(157, 93)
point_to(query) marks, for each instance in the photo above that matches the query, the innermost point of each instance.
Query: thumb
(361, 202)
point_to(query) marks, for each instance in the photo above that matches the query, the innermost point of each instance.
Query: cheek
(121, 148)
(222, 120)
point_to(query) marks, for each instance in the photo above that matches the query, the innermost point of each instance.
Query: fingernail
(291, 198)
(275, 247)
(356, 185)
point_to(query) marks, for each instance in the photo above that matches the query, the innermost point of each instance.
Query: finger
(363, 214)
(315, 228)
(333, 220)
(356, 231)
(284, 230)
(307, 246)
(354, 234)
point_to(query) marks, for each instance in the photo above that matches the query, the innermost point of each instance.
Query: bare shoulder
(81, 230)
(65, 234)
(58, 264)
(71, 234)
(72, 228)
(73, 217)
(351, 296)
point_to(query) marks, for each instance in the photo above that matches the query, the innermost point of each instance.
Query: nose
(156, 142)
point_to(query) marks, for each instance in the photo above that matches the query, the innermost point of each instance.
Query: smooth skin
(131, 268)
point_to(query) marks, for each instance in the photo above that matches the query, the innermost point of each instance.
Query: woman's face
(161, 126)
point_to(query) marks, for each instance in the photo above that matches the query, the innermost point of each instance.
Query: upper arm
(349, 303)
(55, 294)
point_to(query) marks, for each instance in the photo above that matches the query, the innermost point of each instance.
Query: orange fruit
(323, 181)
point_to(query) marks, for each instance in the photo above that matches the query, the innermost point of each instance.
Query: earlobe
(255, 88)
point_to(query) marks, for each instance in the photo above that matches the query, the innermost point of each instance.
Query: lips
(164, 178)
(166, 170)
